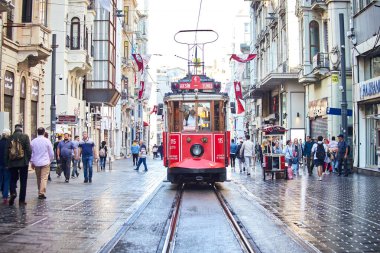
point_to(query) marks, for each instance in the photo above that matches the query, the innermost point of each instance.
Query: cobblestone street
(339, 214)
(77, 217)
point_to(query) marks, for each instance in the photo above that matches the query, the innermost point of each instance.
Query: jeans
(135, 159)
(16, 173)
(103, 163)
(342, 162)
(5, 178)
(75, 167)
(87, 167)
(142, 160)
(309, 165)
(66, 166)
(233, 157)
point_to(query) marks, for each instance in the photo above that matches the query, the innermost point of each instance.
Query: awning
(145, 124)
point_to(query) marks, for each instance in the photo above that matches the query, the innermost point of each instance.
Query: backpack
(16, 151)
(102, 152)
(321, 152)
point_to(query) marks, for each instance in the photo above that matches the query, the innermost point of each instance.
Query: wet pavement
(339, 214)
(77, 217)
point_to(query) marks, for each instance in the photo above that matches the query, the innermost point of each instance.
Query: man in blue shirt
(233, 149)
(87, 150)
(307, 153)
(342, 155)
(65, 151)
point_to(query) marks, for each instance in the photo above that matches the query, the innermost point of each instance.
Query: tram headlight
(196, 150)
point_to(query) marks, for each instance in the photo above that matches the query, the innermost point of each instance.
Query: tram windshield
(196, 116)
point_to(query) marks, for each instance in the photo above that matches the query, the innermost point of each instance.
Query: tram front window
(189, 117)
(196, 116)
(204, 116)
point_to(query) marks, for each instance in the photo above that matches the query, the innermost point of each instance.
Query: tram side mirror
(233, 108)
(160, 109)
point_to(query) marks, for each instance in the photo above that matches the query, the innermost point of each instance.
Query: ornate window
(314, 38)
(75, 33)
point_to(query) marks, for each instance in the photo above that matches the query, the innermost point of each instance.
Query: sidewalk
(77, 217)
(339, 214)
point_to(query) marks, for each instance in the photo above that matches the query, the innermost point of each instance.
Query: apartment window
(126, 15)
(375, 67)
(9, 31)
(314, 38)
(43, 12)
(326, 36)
(75, 33)
(27, 6)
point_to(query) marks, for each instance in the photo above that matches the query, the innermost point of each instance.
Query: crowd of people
(17, 153)
(327, 156)
(139, 153)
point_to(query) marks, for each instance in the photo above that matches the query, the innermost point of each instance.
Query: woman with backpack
(103, 155)
(319, 150)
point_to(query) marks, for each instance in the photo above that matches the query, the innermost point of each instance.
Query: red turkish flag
(237, 58)
(154, 110)
(240, 107)
(139, 62)
(238, 92)
(141, 91)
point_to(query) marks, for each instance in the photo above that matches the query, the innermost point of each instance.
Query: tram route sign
(196, 83)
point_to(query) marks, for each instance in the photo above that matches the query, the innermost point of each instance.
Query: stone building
(25, 47)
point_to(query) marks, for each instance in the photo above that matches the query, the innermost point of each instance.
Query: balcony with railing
(321, 60)
(318, 5)
(78, 57)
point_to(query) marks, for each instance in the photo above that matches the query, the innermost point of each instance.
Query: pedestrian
(301, 146)
(161, 150)
(42, 156)
(259, 152)
(240, 157)
(342, 155)
(103, 153)
(65, 151)
(17, 154)
(5, 175)
(142, 156)
(46, 135)
(307, 153)
(233, 149)
(289, 155)
(296, 156)
(55, 147)
(319, 150)
(326, 167)
(155, 150)
(74, 159)
(135, 152)
(333, 149)
(248, 151)
(87, 151)
(277, 149)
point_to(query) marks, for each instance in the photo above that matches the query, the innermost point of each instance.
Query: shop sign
(370, 88)
(334, 78)
(67, 119)
(337, 111)
(23, 86)
(9, 83)
(35, 90)
(317, 108)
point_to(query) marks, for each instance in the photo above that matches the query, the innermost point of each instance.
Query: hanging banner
(250, 57)
(238, 92)
(141, 91)
(240, 107)
(139, 61)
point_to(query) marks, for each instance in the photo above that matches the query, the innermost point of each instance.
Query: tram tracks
(242, 236)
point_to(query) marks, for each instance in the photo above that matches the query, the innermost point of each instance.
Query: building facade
(366, 83)
(25, 47)
(320, 60)
(278, 97)
(73, 25)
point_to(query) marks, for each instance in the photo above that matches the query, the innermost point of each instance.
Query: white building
(73, 24)
(320, 61)
(364, 35)
(279, 98)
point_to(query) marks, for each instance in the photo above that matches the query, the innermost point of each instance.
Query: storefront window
(34, 108)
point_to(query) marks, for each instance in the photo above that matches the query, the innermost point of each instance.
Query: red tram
(196, 143)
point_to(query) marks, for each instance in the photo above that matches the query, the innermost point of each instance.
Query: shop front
(368, 121)
(318, 118)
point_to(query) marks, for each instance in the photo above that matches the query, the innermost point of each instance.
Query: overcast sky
(166, 17)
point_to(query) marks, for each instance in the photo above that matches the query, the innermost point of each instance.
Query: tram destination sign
(196, 83)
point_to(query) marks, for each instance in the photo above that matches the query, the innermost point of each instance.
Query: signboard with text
(67, 119)
(370, 88)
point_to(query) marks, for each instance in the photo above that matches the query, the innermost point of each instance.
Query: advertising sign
(174, 146)
(219, 148)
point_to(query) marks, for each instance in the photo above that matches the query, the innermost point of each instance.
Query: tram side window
(217, 116)
(204, 114)
(175, 120)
